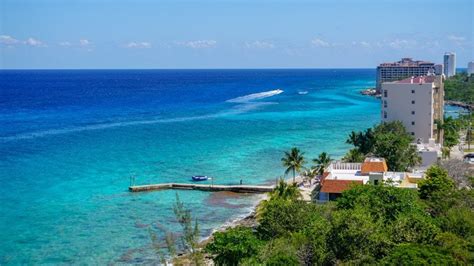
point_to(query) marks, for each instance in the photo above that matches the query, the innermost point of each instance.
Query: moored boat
(200, 177)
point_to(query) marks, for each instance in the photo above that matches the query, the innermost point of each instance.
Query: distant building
(341, 176)
(403, 69)
(429, 152)
(449, 64)
(417, 102)
(470, 68)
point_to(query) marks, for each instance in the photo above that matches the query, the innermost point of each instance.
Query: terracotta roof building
(338, 186)
(373, 165)
(341, 176)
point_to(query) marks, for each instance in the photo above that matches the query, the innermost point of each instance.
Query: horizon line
(231, 68)
(263, 68)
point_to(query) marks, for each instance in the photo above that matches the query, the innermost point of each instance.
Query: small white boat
(302, 92)
(200, 177)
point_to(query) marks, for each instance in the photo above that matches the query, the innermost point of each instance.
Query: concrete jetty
(204, 187)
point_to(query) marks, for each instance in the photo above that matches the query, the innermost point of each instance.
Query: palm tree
(293, 161)
(285, 191)
(310, 173)
(322, 162)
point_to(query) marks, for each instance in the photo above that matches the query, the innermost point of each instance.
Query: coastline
(459, 104)
(247, 219)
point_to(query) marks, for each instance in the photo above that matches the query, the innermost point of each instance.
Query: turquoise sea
(70, 140)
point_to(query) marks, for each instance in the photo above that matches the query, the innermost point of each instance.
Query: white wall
(449, 64)
(399, 107)
(470, 68)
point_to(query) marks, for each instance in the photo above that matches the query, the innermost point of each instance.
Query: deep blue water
(70, 140)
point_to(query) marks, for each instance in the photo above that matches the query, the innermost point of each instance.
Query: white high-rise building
(449, 64)
(417, 102)
(470, 68)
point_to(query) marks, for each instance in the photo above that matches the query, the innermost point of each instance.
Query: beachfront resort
(388, 200)
(266, 132)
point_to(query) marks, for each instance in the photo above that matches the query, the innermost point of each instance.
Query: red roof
(338, 186)
(373, 165)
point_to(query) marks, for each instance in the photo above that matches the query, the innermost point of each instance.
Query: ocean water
(70, 140)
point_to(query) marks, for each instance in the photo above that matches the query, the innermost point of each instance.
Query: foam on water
(246, 105)
(255, 96)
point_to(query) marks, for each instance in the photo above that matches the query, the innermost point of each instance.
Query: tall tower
(449, 64)
(470, 68)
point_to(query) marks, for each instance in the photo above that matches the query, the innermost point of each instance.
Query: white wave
(45, 133)
(246, 106)
(255, 96)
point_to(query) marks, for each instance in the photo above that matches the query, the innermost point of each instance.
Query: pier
(204, 187)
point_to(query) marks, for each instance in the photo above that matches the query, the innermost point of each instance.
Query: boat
(302, 92)
(200, 177)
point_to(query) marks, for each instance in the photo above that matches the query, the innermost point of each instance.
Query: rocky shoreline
(371, 92)
(460, 104)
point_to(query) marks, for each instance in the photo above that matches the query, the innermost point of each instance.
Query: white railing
(338, 165)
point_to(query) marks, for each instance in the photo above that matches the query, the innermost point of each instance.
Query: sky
(136, 34)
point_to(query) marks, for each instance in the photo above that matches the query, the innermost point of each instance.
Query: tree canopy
(367, 225)
(387, 140)
(460, 87)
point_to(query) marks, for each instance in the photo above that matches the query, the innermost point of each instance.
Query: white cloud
(365, 44)
(8, 40)
(362, 44)
(320, 43)
(456, 38)
(34, 42)
(198, 44)
(65, 44)
(138, 45)
(260, 45)
(84, 42)
(402, 44)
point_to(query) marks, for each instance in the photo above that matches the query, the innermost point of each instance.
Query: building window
(376, 182)
(384, 114)
(412, 91)
(385, 93)
(412, 123)
(412, 112)
(385, 104)
(412, 102)
(413, 133)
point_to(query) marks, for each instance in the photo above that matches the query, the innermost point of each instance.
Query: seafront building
(449, 64)
(470, 68)
(405, 68)
(340, 176)
(417, 102)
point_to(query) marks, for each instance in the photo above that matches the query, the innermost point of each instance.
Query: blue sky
(231, 33)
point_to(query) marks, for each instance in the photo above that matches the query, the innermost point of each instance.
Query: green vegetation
(188, 239)
(460, 87)
(293, 161)
(451, 128)
(322, 162)
(387, 140)
(367, 225)
(234, 245)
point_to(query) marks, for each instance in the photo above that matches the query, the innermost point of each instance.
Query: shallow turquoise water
(69, 142)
